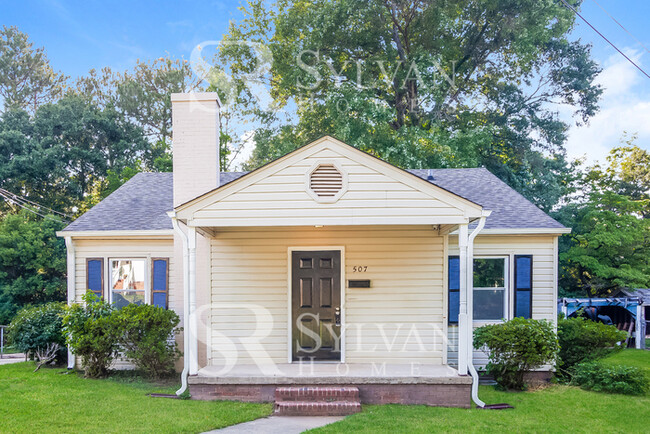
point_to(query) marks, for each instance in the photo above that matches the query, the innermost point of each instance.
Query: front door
(316, 305)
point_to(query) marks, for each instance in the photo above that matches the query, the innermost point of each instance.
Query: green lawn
(52, 401)
(554, 409)
(638, 358)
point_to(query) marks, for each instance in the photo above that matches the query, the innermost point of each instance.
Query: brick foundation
(442, 395)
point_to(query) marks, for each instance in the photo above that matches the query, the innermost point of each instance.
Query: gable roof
(142, 203)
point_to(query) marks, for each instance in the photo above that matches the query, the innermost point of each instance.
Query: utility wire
(13, 201)
(34, 204)
(622, 26)
(603, 36)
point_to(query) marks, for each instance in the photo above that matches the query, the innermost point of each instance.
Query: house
(327, 266)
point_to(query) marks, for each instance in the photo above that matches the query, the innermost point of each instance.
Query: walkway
(280, 425)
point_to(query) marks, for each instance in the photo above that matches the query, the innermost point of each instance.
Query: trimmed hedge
(628, 380)
(582, 340)
(36, 327)
(516, 347)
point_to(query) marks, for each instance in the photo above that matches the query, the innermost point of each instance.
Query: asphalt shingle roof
(142, 203)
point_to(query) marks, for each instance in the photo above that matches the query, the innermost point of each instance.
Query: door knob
(337, 316)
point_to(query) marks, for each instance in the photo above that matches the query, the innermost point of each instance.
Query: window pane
(122, 298)
(454, 306)
(127, 282)
(489, 273)
(523, 272)
(488, 304)
(128, 275)
(523, 304)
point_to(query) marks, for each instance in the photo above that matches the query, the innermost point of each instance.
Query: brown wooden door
(316, 305)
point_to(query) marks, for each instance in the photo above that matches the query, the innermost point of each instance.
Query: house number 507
(359, 268)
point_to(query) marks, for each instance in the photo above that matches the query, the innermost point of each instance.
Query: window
(454, 288)
(489, 288)
(523, 285)
(127, 281)
(95, 276)
(159, 282)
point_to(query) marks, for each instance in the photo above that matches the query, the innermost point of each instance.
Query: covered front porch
(429, 384)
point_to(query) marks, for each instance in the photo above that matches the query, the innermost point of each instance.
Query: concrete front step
(316, 393)
(322, 408)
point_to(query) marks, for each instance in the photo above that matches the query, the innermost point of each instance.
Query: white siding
(281, 198)
(544, 251)
(405, 266)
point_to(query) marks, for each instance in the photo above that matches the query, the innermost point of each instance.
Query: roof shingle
(142, 203)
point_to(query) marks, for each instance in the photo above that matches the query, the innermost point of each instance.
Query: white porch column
(71, 263)
(463, 326)
(192, 335)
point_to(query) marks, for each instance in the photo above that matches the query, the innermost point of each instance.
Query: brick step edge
(307, 408)
(317, 394)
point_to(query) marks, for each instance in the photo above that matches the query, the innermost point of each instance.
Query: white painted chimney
(195, 144)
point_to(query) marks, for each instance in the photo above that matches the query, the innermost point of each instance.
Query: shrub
(91, 334)
(584, 340)
(595, 376)
(38, 328)
(515, 347)
(146, 335)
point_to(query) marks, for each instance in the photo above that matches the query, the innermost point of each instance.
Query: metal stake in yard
(2, 342)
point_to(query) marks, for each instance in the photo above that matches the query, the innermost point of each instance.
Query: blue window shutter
(95, 276)
(524, 286)
(160, 283)
(454, 289)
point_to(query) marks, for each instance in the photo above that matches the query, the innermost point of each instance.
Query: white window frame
(147, 276)
(506, 286)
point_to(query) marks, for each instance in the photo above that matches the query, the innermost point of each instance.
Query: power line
(622, 26)
(13, 201)
(603, 36)
(37, 205)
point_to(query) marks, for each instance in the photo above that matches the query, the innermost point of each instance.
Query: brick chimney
(195, 144)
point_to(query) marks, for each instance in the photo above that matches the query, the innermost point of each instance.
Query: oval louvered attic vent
(326, 181)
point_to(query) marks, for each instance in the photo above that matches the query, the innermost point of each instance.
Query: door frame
(290, 251)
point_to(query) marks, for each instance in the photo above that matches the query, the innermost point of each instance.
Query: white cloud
(624, 108)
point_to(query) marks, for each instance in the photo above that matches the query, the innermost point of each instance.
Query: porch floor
(331, 373)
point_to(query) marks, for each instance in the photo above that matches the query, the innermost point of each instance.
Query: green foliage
(584, 340)
(32, 262)
(516, 347)
(628, 380)
(55, 157)
(609, 247)
(91, 334)
(26, 78)
(35, 327)
(419, 84)
(146, 333)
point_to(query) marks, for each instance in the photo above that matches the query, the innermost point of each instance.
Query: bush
(595, 376)
(516, 347)
(91, 334)
(146, 334)
(37, 328)
(583, 340)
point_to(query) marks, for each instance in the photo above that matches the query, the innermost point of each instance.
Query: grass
(630, 357)
(554, 409)
(52, 400)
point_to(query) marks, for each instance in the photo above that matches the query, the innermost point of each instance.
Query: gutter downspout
(72, 265)
(186, 305)
(470, 308)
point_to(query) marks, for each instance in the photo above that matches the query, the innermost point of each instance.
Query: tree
(26, 78)
(609, 246)
(450, 83)
(32, 262)
(58, 155)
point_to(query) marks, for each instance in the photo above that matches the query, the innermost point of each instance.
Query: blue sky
(81, 35)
